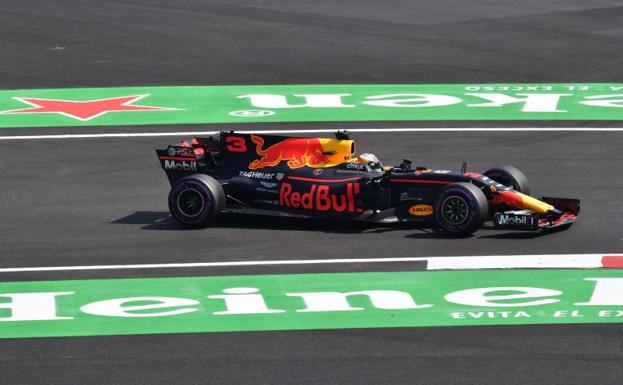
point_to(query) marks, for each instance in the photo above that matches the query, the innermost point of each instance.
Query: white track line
(211, 264)
(572, 261)
(313, 131)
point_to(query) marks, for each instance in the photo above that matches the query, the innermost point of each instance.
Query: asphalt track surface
(103, 201)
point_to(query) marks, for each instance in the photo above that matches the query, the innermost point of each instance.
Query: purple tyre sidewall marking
(207, 198)
(473, 210)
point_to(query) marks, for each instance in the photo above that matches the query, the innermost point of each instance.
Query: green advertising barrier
(308, 103)
(309, 301)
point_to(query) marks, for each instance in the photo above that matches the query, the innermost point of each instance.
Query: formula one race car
(321, 177)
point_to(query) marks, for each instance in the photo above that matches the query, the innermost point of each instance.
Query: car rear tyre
(511, 177)
(195, 200)
(460, 209)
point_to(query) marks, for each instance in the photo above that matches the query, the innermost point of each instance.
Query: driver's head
(371, 160)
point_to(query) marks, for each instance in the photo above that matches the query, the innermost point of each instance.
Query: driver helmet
(371, 160)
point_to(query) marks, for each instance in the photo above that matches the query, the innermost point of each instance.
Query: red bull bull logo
(303, 152)
(298, 152)
(321, 198)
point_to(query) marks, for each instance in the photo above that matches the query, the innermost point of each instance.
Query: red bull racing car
(322, 177)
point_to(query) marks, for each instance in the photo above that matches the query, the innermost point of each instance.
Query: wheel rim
(190, 202)
(454, 210)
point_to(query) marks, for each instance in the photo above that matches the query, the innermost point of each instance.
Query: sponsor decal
(268, 187)
(356, 167)
(252, 113)
(421, 210)
(269, 184)
(351, 172)
(266, 201)
(297, 152)
(317, 171)
(309, 301)
(279, 176)
(515, 220)
(257, 175)
(84, 110)
(181, 151)
(177, 165)
(323, 198)
(266, 190)
(307, 103)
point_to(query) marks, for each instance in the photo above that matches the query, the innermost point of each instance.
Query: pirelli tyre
(509, 176)
(195, 200)
(460, 209)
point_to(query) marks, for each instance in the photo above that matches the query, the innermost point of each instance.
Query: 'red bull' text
(321, 198)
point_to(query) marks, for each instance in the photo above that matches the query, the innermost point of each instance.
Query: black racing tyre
(195, 200)
(511, 177)
(460, 209)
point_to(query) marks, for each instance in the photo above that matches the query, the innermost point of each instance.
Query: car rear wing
(188, 157)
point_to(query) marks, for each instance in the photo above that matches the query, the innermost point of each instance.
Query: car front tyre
(511, 177)
(460, 209)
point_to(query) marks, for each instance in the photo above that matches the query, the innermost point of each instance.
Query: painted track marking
(314, 131)
(544, 261)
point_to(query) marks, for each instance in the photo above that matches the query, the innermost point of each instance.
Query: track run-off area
(476, 295)
(309, 103)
